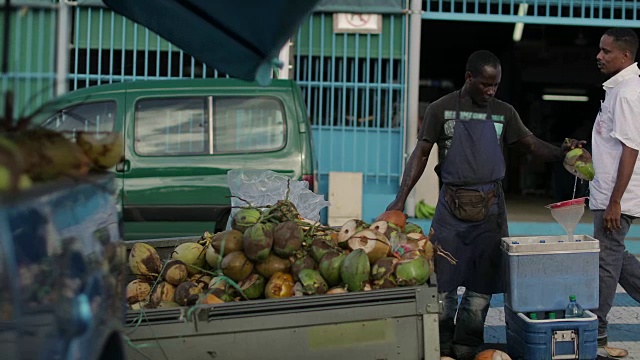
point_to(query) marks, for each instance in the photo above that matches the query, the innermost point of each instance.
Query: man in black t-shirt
(470, 127)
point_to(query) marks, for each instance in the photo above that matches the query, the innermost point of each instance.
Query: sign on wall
(357, 23)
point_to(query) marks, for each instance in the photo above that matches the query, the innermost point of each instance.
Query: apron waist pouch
(469, 204)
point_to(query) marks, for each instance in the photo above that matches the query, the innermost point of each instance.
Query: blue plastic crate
(542, 271)
(551, 339)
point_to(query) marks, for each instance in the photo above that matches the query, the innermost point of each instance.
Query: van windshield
(94, 117)
(209, 125)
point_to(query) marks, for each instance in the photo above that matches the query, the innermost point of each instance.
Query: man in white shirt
(615, 190)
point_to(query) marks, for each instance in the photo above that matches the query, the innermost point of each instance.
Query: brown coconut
(232, 240)
(138, 290)
(272, 265)
(236, 266)
(187, 293)
(175, 272)
(280, 285)
(163, 292)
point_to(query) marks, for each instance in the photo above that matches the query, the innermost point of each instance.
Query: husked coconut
(375, 244)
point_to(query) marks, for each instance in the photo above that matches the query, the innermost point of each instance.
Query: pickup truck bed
(399, 323)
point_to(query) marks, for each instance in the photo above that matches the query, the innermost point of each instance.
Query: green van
(181, 139)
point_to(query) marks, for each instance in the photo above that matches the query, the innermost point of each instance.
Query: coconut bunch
(38, 155)
(272, 254)
(398, 252)
(180, 280)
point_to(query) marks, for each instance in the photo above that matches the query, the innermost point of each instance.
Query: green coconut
(330, 266)
(232, 240)
(412, 270)
(312, 282)
(303, 262)
(586, 170)
(578, 162)
(245, 218)
(257, 242)
(272, 265)
(355, 270)
(236, 266)
(191, 254)
(411, 228)
(253, 286)
(320, 246)
(287, 238)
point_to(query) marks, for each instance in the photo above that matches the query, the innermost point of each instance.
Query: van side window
(180, 126)
(247, 124)
(93, 117)
(172, 126)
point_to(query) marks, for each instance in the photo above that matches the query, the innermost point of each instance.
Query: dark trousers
(462, 327)
(617, 265)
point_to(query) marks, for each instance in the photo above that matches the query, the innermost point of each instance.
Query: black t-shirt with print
(438, 121)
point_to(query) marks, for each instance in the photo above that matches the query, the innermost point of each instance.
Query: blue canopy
(241, 38)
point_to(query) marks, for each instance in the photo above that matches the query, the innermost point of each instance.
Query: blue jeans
(616, 266)
(462, 327)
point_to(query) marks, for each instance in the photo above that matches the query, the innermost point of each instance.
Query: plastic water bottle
(574, 310)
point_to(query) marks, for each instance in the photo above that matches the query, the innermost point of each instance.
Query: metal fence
(29, 70)
(353, 84)
(613, 13)
(354, 88)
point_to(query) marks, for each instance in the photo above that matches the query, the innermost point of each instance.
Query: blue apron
(473, 161)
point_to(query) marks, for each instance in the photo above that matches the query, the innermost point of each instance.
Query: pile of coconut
(273, 253)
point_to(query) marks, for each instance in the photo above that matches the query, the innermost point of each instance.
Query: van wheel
(113, 349)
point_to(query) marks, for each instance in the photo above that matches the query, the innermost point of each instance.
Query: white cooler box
(542, 271)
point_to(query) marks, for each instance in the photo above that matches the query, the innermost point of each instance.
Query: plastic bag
(265, 187)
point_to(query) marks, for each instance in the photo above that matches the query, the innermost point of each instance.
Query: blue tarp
(239, 38)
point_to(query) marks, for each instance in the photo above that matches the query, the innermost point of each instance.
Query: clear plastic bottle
(574, 310)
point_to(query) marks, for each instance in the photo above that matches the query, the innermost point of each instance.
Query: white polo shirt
(618, 122)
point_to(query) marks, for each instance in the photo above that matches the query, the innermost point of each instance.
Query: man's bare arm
(413, 171)
(541, 149)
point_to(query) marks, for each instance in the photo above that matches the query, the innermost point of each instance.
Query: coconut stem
(243, 200)
(286, 196)
(447, 255)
